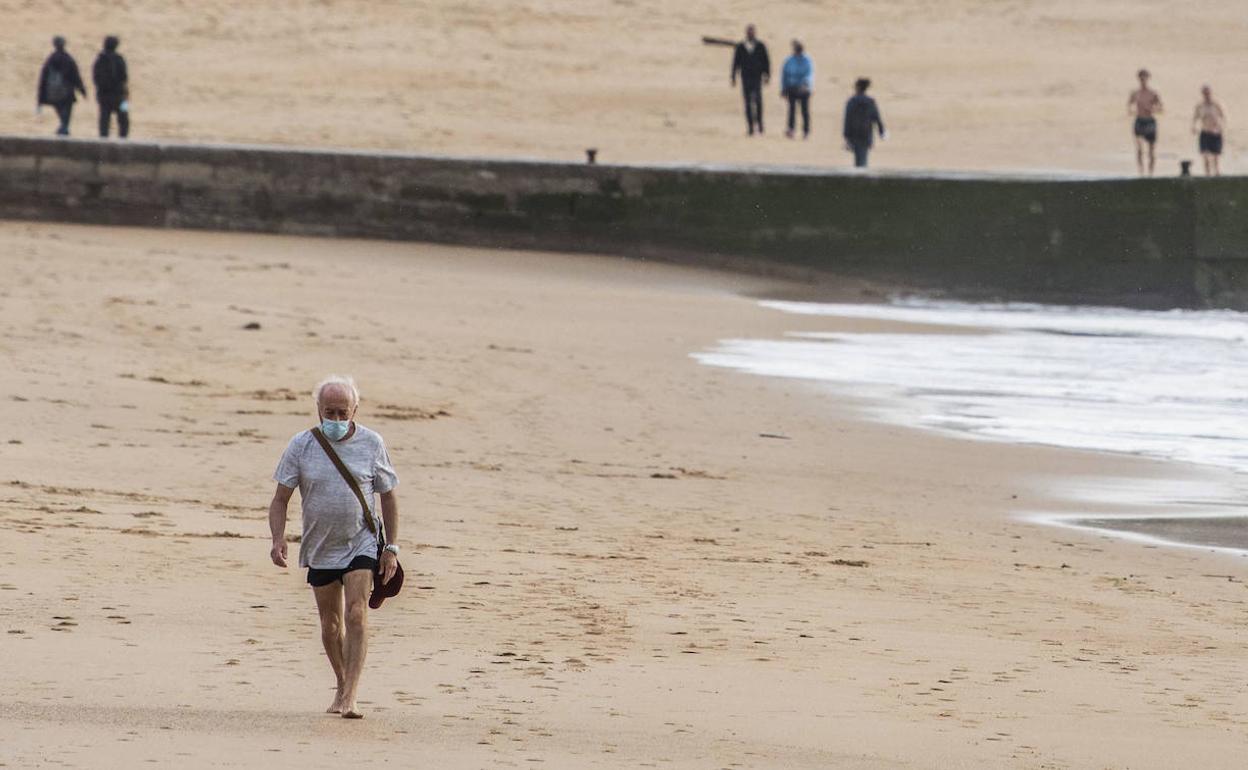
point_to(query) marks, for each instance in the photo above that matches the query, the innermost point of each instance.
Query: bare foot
(336, 706)
(352, 712)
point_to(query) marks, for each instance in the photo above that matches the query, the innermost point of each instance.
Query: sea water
(1170, 385)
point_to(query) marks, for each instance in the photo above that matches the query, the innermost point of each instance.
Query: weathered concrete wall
(1152, 243)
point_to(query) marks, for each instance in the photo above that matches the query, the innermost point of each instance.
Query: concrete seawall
(1163, 242)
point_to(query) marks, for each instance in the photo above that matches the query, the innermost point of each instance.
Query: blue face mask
(334, 430)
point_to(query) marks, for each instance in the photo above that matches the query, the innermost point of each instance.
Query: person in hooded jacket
(112, 88)
(58, 80)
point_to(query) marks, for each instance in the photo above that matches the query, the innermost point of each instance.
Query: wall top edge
(66, 146)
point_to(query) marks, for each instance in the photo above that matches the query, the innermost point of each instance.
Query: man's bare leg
(1152, 157)
(1216, 171)
(329, 605)
(1139, 155)
(356, 585)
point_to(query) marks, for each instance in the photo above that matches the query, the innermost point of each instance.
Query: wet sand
(1229, 532)
(962, 84)
(613, 559)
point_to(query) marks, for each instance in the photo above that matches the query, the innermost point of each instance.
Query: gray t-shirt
(334, 531)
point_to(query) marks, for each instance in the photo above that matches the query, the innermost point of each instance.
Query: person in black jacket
(862, 117)
(112, 88)
(750, 59)
(58, 80)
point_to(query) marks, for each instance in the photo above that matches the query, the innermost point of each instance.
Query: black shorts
(323, 577)
(1146, 129)
(1210, 143)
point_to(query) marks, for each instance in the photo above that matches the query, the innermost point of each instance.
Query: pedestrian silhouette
(862, 118)
(112, 88)
(58, 80)
(796, 80)
(750, 59)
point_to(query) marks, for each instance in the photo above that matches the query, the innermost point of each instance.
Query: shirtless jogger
(1145, 105)
(1210, 121)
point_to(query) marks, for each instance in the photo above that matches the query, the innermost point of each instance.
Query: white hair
(346, 382)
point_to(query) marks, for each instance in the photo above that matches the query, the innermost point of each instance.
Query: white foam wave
(1170, 385)
(1102, 321)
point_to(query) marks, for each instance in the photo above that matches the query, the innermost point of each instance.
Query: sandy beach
(963, 84)
(612, 559)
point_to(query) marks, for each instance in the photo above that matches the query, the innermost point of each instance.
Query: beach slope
(615, 557)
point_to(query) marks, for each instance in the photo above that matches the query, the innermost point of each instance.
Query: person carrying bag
(382, 590)
(352, 562)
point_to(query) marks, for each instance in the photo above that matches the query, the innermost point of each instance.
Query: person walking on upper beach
(750, 59)
(796, 82)
(112, 88)
(339, 545)
(58, 80)
(862, 119)
(1145, 105)
(1209, 121)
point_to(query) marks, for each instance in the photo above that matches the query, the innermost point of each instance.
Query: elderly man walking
(340, 540)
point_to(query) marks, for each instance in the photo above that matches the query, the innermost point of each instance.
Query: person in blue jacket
(796, 81)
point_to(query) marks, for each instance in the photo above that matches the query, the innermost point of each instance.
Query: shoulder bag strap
(346, 475)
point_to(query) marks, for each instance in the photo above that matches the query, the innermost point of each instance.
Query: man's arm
(766, 64)
(1131, 103)
(277, 523)
(737, 57)
(876, 119)
(390, 519)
